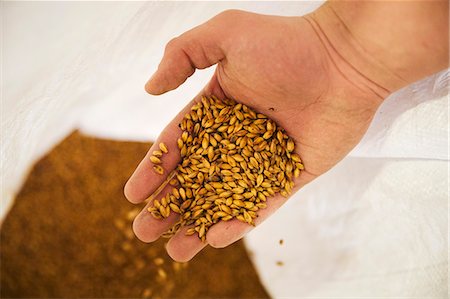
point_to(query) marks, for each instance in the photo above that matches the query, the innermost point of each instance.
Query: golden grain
(190, 231)
(201, 231)
(197, 213)
(175, 208)
(290, 145)
(158, 169)
(157, 153)
(158, 261)
(155, 160)
(162, 274)
(156, 204)
(163, 148)
(182, 193)
(232, 159)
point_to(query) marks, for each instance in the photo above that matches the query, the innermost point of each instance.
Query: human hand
(283, 67)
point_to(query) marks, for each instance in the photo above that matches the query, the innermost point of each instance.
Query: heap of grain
(232, 159)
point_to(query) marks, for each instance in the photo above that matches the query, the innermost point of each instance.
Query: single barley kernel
(175, 208)
(155, 160)
(190, 232)
(163, 148)
(158, 261)
(176, 266)
(162, 273)
(158, 169)
(156, 204)
(157, 154)
(147, 293)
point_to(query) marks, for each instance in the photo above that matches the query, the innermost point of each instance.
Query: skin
(321, 77)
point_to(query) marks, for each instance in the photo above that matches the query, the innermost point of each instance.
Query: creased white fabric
(51, 72)
(381, 233)
(374, 226)
(411, 123)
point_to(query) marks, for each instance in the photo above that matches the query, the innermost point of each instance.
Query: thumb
(198, 48)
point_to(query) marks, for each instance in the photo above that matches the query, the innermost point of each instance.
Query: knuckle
(231, 20)
(173, 44)
(230, 14)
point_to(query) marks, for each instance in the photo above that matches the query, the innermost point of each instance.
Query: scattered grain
(162, 274)
(147, 293)
(158, 261)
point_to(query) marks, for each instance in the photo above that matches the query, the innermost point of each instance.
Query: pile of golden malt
(232, 159)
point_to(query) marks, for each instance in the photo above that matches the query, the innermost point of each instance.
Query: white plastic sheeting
(374, 226)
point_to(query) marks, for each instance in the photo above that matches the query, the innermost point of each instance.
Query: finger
(224, 233)
(149, 229)
(182, 248)
(198, 48)
(145, 180)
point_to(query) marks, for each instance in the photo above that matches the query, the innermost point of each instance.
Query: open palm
(283, 67)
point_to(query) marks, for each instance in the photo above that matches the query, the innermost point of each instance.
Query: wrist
(388, 44)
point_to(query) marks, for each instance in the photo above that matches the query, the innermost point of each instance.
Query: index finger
(145, 180)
